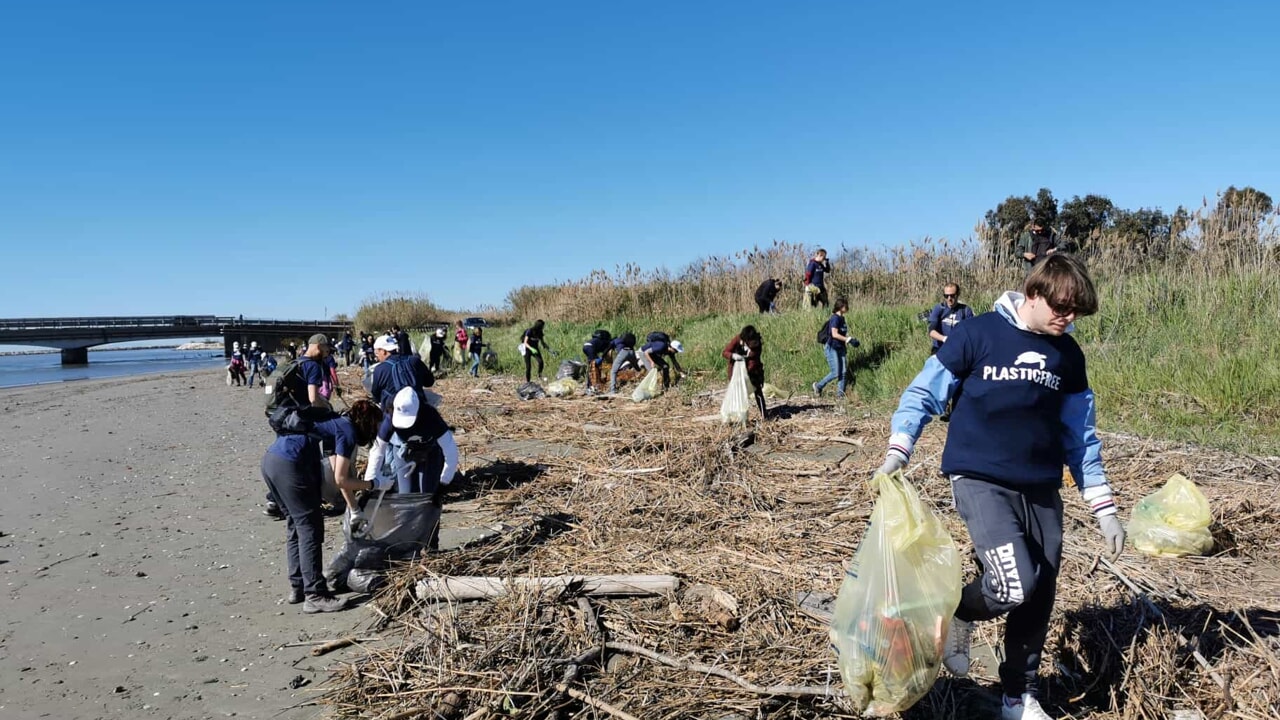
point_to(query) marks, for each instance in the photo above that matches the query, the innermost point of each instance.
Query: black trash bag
(530, 391)
(365, 581)
(400, 527)
(571, 369)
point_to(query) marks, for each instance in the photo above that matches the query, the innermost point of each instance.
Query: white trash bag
(736, 398)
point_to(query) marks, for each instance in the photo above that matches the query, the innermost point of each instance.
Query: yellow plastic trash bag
(896, 603)
(736, 398)
(1172, 521)
(457, 354)
(563, 387)
(650, 387)
(772, 392)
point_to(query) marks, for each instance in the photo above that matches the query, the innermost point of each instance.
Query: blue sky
(292, 159)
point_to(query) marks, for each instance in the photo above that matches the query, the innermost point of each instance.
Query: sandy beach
(141, 577)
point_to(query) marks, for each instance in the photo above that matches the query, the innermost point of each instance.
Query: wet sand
(142, 578)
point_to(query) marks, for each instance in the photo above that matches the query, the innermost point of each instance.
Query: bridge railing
(112, 322)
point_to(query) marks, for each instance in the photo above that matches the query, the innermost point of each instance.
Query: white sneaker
(1023, 708)
(956, 655)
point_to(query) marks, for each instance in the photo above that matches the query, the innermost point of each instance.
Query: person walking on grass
(531, 344)
(475, 345)
(835, 347)
(291, 468)
(437, 350)
(1023, 409)
(815, 279)
(460, 337)
(1036, 244)
(748, 346)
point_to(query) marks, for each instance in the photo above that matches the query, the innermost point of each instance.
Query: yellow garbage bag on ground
(563, 387)
(896, 602)
(650, 387)
(1172, 521)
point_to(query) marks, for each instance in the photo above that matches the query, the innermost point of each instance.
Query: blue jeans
(253, 374)
(835, 361)
(475, 365)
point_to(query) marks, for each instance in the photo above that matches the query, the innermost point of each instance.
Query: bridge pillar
(75, 356)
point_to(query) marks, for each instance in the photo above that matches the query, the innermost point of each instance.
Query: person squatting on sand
(291, 468)
(748, 346)
(1026, 410)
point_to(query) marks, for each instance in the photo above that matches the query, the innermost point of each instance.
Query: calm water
(47, 367)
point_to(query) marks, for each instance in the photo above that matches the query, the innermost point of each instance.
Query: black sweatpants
(528, 364)
(296, 487)
(1017, 535)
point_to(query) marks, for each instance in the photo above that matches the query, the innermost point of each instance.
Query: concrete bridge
(74, 336)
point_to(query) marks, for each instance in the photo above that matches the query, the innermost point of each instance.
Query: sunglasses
(1062, 310)
(950, 296)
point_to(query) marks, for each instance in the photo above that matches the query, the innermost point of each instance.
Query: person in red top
(747, 345)
(460, 337)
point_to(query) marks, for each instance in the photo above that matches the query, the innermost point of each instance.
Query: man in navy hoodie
(1026, 410)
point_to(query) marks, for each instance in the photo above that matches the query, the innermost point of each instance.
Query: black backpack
(658, 336)
(824, 335)
(629, 340)
(289, 410)
(601, 337)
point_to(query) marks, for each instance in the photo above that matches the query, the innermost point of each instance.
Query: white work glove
(382, 480)
(893, 462)
(738, 357)
(358, 523)
(1113, 536)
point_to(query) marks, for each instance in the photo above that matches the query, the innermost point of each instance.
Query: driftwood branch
(483, 588)
(785, 690)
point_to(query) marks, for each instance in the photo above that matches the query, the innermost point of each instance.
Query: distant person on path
(236, 368)
(255, 363)
(766, 295)
(944, 316)
(624, 354)
(815, 279)
(1036, 244)
(748, 346)
(403, 345)
(476, 346)
(293, 350)
(836, 348)
(655, 353)
(345, 346)
(532, 343)
(596, 349)
(1026, 410)
(436, 354)
(291, 468)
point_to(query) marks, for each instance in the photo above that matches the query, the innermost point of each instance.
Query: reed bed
(751, 519)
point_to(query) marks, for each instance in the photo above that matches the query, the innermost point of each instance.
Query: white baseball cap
(386, 342)
(404, 410)
(677, 346)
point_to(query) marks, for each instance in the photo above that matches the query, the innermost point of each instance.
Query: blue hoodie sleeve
(926, 396)
(1084, 452)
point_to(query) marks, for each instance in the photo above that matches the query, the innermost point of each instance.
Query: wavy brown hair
(365, 417)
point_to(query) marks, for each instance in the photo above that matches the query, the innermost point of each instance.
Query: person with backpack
(834, 338)
(395, 371)
(427, 450)
(655, 353)
(1023, 410)
(815, 279)
(748, 346)
(531, 344)
(766, 294)
(475, 345)
(596, 349)
(291, 468)
(624, 355)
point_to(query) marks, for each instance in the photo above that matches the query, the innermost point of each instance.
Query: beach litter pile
(682, 568)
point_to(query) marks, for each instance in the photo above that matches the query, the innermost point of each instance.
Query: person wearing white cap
(395, 371)
(657, 351)
(426, 449)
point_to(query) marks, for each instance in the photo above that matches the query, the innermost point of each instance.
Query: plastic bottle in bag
(896, 602)
(1172, 521)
